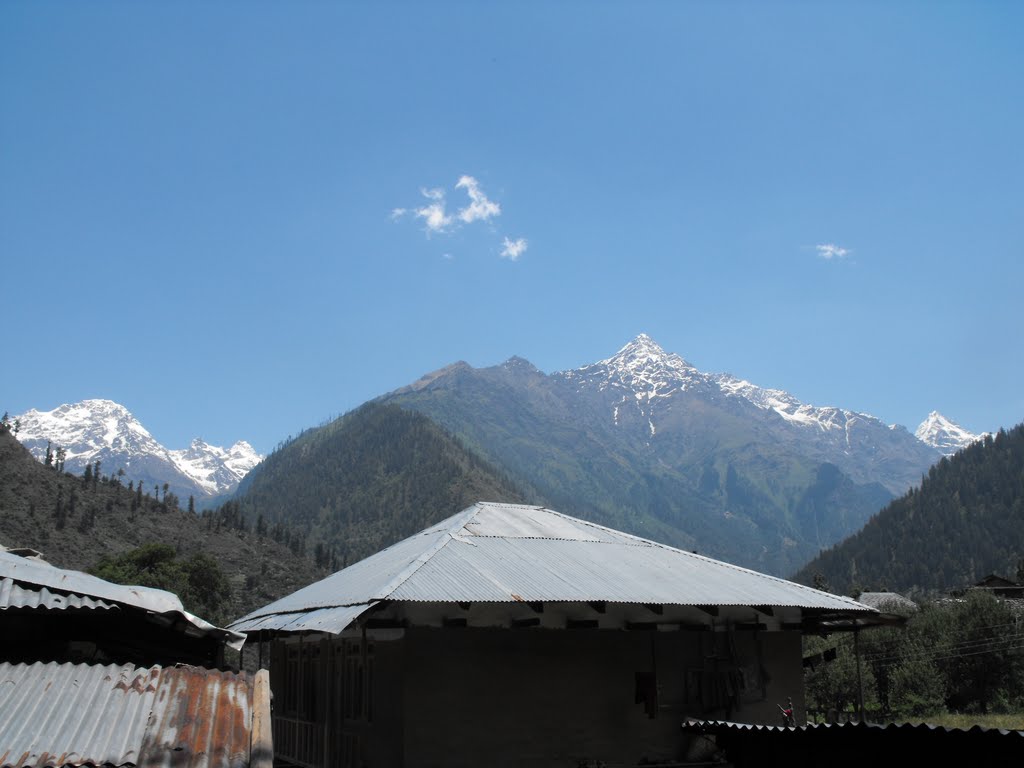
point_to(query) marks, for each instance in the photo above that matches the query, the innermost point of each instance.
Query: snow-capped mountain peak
(214, 468)
(644, 354)
(102, 430)
(944, 435)
(86, 429)
(642, 367)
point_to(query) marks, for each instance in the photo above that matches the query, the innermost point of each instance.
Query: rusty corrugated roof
(54, 715)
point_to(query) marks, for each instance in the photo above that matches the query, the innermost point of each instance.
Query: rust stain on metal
(170, 717)
(517, 598)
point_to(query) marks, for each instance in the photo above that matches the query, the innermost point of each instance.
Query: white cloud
(479, 208)
(513, 249)
(831, 251)
(434, 217)
(438, 220)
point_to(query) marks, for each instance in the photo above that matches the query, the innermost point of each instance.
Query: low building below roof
(57, 715)
(29, 586)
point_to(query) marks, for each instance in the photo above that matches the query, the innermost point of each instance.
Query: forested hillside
(77, 521)
(964, 522)
(367, 480)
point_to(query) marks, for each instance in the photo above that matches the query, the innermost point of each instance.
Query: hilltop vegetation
(964, 522)
(80, 521)
(953, 655)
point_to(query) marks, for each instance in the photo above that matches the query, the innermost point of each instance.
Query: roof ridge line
(461, 519)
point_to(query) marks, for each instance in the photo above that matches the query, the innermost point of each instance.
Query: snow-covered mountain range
(645, 375)
(105, 431)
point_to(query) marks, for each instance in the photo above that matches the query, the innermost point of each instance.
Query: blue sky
(241, 219)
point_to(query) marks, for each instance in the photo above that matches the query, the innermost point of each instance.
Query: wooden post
(327, 676)
(366, 682)
(860, 683)
(261, 742)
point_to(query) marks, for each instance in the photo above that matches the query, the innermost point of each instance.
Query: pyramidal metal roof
(494, 552)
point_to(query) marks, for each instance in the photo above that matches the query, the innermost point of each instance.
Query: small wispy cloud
(830, 251)
(479, 208)
(434, 216)
(513, 249)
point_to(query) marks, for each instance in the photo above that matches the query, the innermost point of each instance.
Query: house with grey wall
(516, 635)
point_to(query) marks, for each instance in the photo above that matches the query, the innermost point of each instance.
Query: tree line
(964, 522)
(958, 655)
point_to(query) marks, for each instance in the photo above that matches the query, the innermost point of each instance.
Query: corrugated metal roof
(66, 589)
(76, 714)
(75, 582)
(14, 595)
(853, 745)
(887, 601)
(720, 726)
(509, 552)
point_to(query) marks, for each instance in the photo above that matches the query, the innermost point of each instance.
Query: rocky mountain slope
(645, 441)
